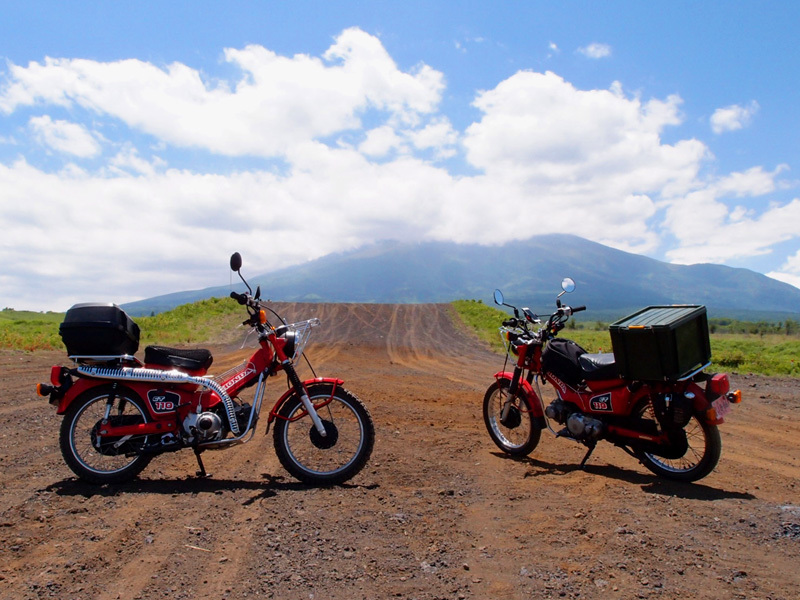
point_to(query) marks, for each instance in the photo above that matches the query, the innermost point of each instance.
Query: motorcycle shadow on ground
(269, 487)
(649, 483)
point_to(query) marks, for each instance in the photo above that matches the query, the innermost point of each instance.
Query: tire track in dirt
(439, 512)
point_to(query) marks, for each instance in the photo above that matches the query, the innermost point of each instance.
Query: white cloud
(128, 159)
(707, 233)
(789, 272)
(360, 144)
(790, 278)
(596, 50)
(279, 101)
(63, 136)
(381, 141)
(733, 117)
(438, 135)
(593, 157)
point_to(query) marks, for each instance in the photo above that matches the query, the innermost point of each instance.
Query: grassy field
(188, 324)
(763, 353)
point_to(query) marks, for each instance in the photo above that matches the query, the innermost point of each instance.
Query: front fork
(512, 394)
(307, 404)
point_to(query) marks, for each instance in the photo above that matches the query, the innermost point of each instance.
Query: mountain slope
(529, 273)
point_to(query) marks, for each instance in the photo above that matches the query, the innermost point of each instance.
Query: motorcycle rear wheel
(328, 460)
(519, 436)
(700, 458)
(103, 460)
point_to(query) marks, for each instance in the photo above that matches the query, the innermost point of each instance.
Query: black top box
(99, 330)
(661, 343)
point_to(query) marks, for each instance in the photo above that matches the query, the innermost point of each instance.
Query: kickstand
(202, 471)
(588, 454)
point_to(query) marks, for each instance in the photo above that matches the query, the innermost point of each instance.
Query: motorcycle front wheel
(335, 457)
(700, 458)
(98, 459)
(515, 433)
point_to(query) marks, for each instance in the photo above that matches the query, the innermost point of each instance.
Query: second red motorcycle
(651, 397)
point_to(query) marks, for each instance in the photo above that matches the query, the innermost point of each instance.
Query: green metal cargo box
(661, 343)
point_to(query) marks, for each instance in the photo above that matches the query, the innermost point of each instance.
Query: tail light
(719, 384)
(55, 375)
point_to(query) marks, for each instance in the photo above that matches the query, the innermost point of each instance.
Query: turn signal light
(712, 418)
(43, 389)
(735, 397)
(262, 317)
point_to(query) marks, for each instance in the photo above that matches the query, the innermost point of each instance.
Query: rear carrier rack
(104, 360)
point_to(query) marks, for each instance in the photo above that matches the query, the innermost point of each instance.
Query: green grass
(191, 324)
(25, 330)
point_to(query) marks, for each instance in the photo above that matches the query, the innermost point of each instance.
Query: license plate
(721, 406)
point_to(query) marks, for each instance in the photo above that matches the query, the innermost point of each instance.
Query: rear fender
(79, 386)
(528, 394)
(310, 386)
(702, 406)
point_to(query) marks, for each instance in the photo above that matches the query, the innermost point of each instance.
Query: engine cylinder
(205, 426)
(583, 427)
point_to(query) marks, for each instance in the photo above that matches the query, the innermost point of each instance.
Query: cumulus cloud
(63, 136)
(277, 102)
(733, 117)
(789, 271)
(325, 154)
(596, 50)
(708, 229)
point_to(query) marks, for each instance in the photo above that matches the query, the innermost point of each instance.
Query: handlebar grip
(510, 323)
(578, 309)
(240, 298)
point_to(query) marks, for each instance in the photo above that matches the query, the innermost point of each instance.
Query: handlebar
(240, 298)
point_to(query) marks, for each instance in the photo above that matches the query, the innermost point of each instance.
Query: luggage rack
(84, 359)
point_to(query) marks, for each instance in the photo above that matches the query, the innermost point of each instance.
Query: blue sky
(141, 143)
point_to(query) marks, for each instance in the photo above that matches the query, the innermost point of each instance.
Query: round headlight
(291, 339)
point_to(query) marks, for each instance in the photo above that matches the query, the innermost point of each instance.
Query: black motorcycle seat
(597, 367)
(190, 359)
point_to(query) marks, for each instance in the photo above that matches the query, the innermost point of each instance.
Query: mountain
(610, 282)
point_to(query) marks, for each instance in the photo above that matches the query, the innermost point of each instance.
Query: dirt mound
(438, 512)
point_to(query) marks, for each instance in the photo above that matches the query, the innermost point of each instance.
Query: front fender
(528, 394)
(308, 385)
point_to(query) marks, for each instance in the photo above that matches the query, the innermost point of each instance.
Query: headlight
(291, 343)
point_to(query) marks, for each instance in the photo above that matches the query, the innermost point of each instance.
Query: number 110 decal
(162, 401)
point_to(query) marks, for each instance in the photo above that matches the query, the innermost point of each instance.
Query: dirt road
(437, 513)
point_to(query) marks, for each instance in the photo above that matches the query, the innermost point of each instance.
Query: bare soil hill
(437, 513)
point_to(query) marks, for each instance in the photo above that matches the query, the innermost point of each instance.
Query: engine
(205, 426)
(579, 426)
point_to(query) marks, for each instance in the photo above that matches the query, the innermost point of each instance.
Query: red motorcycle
(651, 397)
(119, 413)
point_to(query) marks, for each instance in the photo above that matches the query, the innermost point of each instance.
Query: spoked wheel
(701, 456)
(331, 459)
(509, 420)
(103, 459)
